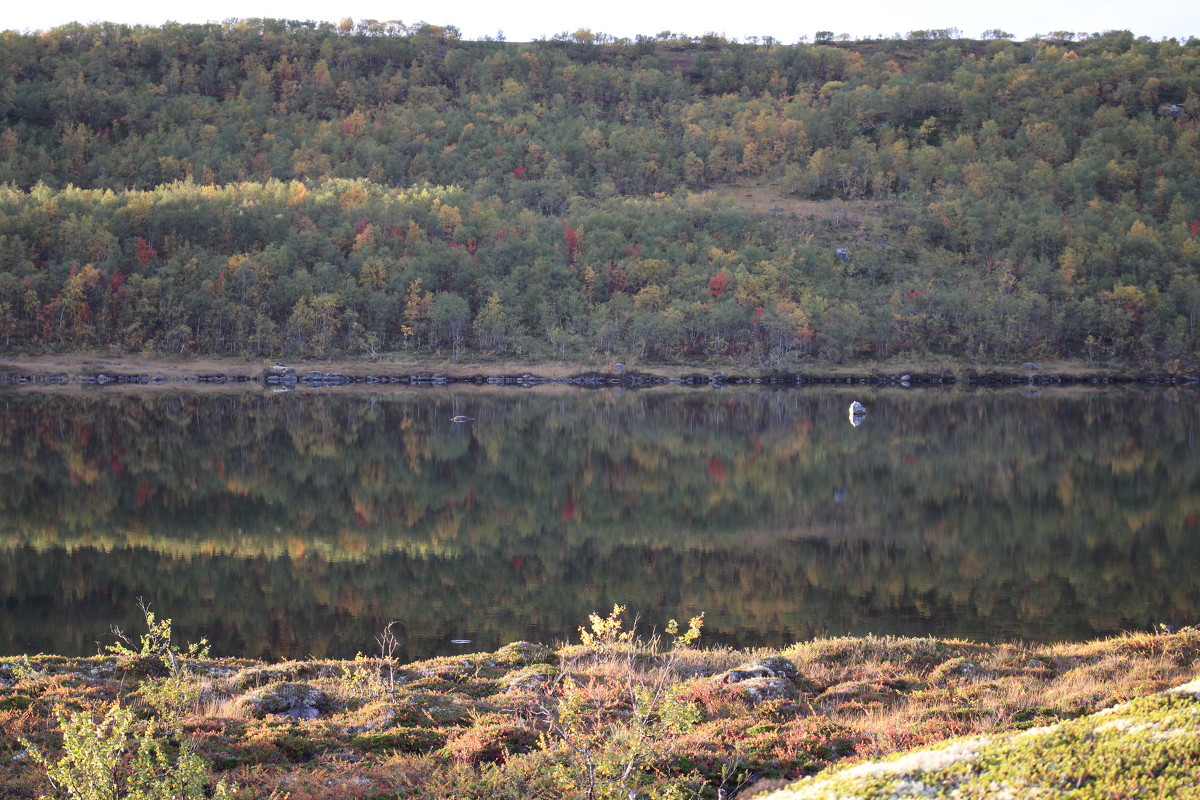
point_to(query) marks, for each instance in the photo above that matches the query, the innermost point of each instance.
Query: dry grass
(771, 198)
(456, 727)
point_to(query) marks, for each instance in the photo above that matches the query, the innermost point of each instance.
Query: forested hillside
(277, 188)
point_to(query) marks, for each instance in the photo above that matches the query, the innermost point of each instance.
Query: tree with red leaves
(145, 251)
(718, 283)
(571, 238)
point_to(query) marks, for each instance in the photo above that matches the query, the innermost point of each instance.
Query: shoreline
(90, 369)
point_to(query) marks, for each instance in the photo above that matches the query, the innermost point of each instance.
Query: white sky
(786, 21)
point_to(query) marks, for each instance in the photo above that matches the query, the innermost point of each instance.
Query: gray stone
(298, 700)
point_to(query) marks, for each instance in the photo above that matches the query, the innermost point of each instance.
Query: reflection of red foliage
(569, 510)
(718, 283)
(516, 562)
(716, 470)
(144, 494)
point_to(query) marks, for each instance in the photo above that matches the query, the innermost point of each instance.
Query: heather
(620, 714)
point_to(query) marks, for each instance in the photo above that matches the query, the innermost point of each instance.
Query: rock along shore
(286, 377)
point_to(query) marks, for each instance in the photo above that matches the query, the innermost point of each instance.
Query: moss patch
(1149, 747)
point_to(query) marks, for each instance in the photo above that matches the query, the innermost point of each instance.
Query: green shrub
(106, 760)
(172, 691)
(403, 740)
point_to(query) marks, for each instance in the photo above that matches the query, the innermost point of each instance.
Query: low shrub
(402, 739)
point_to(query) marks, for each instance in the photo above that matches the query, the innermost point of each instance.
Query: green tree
(449, 317)
(491, 324)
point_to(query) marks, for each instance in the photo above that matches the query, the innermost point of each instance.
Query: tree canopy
(273, 187)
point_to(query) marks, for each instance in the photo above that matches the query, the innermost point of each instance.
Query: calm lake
(286, 525)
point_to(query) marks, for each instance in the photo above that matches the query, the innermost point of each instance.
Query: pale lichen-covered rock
(374, 717)
(760, 690)
(1148, 747)
(771, 678)
(1192, 689)
(297, 700)
(530, 678)
(522, 653)
(770, 667)
(287, 671)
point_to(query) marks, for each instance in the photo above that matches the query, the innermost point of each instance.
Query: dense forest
(286, 189)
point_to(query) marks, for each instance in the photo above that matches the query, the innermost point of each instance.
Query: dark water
(293, 525)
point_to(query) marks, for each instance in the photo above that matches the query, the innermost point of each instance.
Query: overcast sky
(787, 22)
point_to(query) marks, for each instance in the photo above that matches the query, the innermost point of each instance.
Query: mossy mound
(1148, 747)
(975, 720)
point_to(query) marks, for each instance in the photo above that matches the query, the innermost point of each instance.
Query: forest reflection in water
(293, 525)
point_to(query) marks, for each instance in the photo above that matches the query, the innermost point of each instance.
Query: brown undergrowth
(619, 715)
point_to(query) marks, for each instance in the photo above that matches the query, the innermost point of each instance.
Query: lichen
(1149, 747)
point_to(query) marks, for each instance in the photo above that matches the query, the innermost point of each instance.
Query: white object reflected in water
(858, 412)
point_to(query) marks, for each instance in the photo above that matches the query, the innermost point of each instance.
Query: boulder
(771, 678)
(298, 700)
(531, 678)
(770, 667)
(523, 653)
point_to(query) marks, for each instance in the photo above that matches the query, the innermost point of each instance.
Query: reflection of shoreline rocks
(288, 376)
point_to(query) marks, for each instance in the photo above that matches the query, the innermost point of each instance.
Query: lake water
(298, 524)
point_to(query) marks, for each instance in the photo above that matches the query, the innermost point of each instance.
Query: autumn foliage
(1013, 182)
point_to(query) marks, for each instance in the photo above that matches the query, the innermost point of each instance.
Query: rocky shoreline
(288, 378)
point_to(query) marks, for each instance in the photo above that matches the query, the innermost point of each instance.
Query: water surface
(299, 524)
